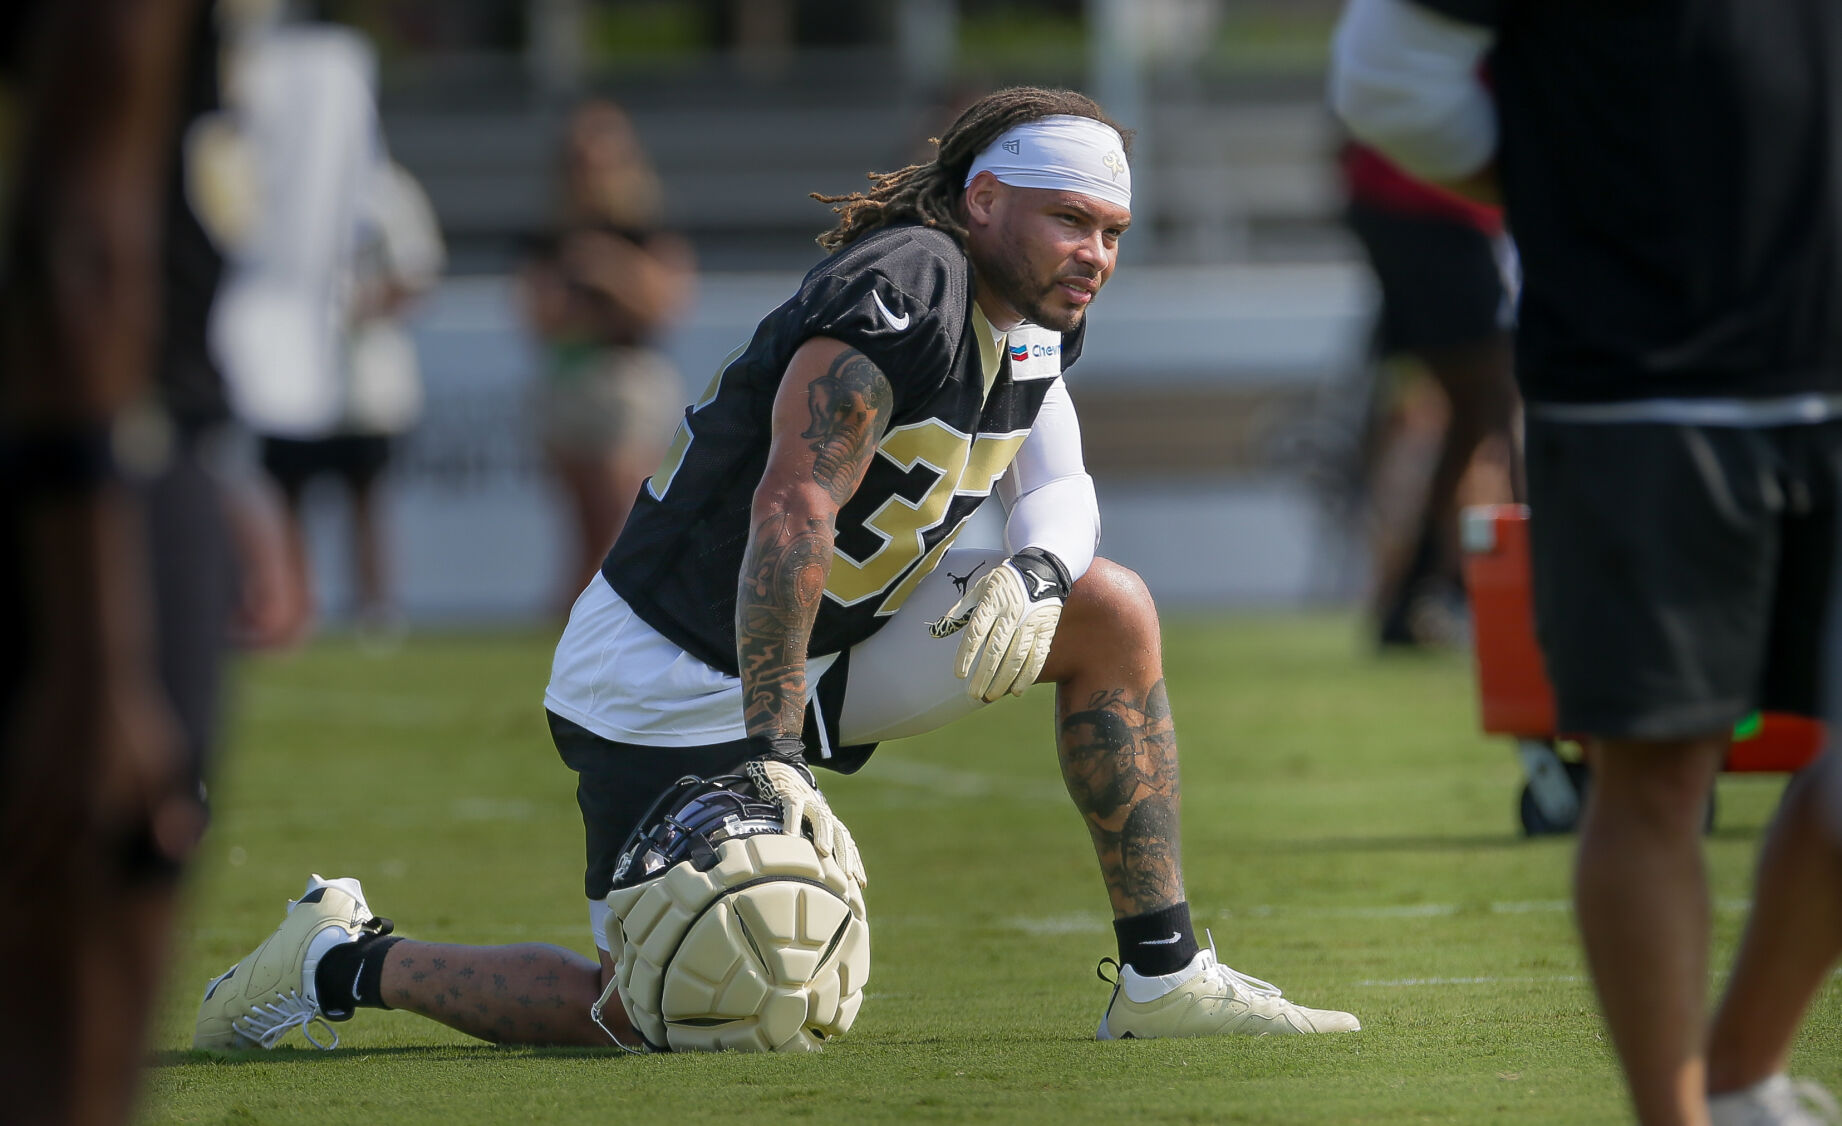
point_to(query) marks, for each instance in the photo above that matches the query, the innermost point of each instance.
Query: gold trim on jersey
(966, 465)
(991, 347)
(660, 482)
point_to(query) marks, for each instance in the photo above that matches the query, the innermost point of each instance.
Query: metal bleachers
(1223, 177)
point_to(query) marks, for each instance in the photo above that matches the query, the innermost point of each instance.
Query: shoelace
(267, 1023)
(1234, 979)
(1242, 984)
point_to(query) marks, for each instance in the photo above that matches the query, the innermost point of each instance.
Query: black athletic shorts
(355, 459)
(1441, 286)
(1683, 575)
(617, 783)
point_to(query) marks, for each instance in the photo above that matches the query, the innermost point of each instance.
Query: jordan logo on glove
(1007, 620)
(1039, 586)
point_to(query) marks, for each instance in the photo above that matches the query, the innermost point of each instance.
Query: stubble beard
(1065, 321)
(1026, 294)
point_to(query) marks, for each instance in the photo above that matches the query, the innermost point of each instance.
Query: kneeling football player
(787, 591)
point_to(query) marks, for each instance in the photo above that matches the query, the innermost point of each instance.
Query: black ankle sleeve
(370, 991)
(1157, 942)
(350, 976)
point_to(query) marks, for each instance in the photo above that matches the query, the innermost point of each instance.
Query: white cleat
(256, 1002)
(1777, 1101)
(1207, 998)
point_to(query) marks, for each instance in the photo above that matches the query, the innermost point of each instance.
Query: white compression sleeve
(1404, 79)
(1047, 491)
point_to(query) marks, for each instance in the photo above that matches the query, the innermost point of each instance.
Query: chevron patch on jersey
(1035, 353)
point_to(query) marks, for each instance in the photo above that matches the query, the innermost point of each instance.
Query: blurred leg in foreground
(1640, 890)
(115, 580)
(1792, 939)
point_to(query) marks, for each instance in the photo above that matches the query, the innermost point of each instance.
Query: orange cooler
(1512, 683)
(1514, 696)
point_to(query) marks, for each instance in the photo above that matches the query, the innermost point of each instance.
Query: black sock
(350, 976)
(1157, 942)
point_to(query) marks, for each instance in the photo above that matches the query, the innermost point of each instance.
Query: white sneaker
(1207, 998)
(254, 1003)
(1777, 1101)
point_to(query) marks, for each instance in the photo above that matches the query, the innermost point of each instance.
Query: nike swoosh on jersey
(895, 322)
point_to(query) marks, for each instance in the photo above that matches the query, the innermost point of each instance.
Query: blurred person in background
(398, 258)
(125, 523)
(599, 291)
(1671, 171)
(335, 244)
(1441, 263)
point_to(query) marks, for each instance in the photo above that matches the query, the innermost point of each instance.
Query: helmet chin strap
(601, 1005)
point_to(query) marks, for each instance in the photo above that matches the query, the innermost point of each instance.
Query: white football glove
(804, 807)
(1008, 617)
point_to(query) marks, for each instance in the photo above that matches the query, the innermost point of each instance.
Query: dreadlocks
(930, 193)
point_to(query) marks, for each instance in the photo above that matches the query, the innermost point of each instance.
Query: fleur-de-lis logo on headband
(1115, 163)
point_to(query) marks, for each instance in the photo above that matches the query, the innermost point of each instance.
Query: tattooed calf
(1119, 760)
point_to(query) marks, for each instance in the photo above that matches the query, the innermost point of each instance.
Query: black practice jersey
(903, 297)
(1672, 170)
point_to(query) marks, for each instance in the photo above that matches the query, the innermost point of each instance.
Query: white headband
(1065, 152)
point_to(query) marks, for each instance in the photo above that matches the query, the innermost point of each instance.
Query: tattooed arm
(831, 410)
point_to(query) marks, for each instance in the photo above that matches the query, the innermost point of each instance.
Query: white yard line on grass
(1097, 924)
(1432, 910)
(1539, 979)
(1542, 979)
(570, 935)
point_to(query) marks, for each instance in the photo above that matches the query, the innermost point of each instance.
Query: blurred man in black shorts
(1671, 172)
(307, 291)
(1441, 263)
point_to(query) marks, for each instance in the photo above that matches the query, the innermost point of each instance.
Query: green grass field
(1348, 835)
